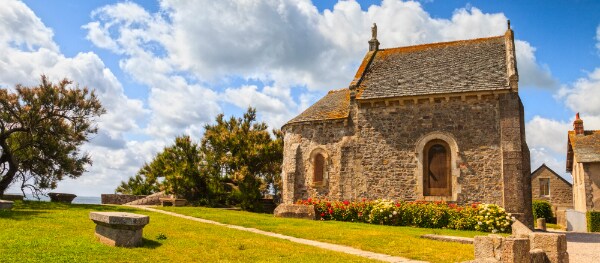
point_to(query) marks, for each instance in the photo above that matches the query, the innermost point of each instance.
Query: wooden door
(437, 171)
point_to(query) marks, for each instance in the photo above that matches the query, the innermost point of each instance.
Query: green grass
(553, 226)
(50, 232)
(391, 240)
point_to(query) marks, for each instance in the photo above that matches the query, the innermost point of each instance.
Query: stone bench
(61, 197)
(6, 205)
(172, 202)
(119, 229)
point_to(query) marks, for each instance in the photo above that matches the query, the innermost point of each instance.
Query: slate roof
(586, 147)
(438, 68)
(335, 105)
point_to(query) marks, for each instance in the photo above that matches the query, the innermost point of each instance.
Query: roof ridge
(445, 43)
(336, 90)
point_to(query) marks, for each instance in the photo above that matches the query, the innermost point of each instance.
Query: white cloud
(583, 95)
(531, 74)
(29, 51)
(547, 133)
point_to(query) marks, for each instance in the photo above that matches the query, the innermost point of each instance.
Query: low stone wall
(524, 246)
(12, 197)
(153, 199)
(118, 199)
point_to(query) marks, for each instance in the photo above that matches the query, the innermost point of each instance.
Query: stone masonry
(119, 229)
(373, 134)
(561, 191)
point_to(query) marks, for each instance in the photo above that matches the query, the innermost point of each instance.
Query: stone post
(541, 224)
(119, 229)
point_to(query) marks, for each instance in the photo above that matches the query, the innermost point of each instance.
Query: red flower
(309, 200)
(346, 202)
(330, 211)
(322, 214)
(328, 204)
(397, 204)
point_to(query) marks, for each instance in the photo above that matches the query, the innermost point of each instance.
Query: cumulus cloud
(28, 51)
(531, 74)
(547, 141)
(583, 95)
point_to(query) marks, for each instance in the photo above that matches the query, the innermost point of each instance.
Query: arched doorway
(437, 170)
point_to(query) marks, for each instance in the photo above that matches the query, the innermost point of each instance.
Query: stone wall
(561, 192)
(119, 199)
(378, 151)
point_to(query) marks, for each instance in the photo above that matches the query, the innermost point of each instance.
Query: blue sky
(165, 68)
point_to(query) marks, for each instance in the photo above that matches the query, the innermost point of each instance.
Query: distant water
(93, 200)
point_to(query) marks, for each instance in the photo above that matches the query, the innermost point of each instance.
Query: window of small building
(437, 176)
(319, 168)
(544, 186)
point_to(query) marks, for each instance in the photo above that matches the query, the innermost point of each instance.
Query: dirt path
(323, 245)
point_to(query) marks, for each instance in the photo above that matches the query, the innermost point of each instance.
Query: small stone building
(548, 185)
(583, 162)
(435, 122)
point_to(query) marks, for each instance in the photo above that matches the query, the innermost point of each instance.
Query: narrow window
(319, 168)
(437, 174)
(544, 187)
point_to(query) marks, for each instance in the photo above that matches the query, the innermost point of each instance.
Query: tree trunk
(7, 179)
(7, 157)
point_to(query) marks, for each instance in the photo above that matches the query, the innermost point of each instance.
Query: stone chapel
(432, 122)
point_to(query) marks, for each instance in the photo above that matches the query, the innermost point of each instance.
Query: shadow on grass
(21, 215)
(43, 205)
(151, 244)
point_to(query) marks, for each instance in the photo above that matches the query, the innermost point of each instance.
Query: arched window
(437, 174)
(319, 168)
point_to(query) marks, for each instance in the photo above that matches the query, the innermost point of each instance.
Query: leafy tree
(179, 167)
(41, 131)
(242, 151)
(138, 184)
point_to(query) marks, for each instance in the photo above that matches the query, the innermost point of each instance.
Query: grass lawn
(391, 240)
(50, 232)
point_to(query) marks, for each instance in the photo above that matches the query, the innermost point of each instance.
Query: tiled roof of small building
(335, 105)
(545, 167)
(586, 147)
(438, 68)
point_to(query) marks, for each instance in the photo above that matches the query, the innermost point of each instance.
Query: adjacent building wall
(561, 192)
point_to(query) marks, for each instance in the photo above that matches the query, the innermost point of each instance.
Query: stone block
(551, 243)
(119, 229)
(520, 230)
(541, 224)
(6, 205)
(515, 250)
(487, 247)
(295, 211)
(538, 256)
(61, 197)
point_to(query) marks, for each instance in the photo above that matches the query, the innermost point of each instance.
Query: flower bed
(481, 217)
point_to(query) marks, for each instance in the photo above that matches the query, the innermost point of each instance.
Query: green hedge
(593, 221)
(542, 209)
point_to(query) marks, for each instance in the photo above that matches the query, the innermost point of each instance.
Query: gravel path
(323, 245)
(583, 247)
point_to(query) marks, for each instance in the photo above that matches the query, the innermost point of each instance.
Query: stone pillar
(288, 175)
(541, 224)
(516, 170)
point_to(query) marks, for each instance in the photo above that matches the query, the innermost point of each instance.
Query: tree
(41, 131)
(241, 151)
(179, 167)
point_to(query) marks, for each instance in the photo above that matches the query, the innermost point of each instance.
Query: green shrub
(542, 209)
(593, 221)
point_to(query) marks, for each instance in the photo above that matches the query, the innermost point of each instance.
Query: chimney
(374, 43)
(578, 125)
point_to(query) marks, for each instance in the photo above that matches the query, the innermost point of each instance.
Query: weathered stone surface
(541, 224)
(561, 191)
(515, 250)
(167, 201)
(462, 240)
(520, 230)
(119, 199)
(61, 197)
(554, 246)
(12, 197)
(295, 211)
(488, 247)
(119, 229)
(538, 256)
(6, 205)
(153, 199)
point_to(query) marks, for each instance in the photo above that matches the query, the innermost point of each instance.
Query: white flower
(479, 223)
(395, 213)
(494, 231)
(381, 210)
(390, 216)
